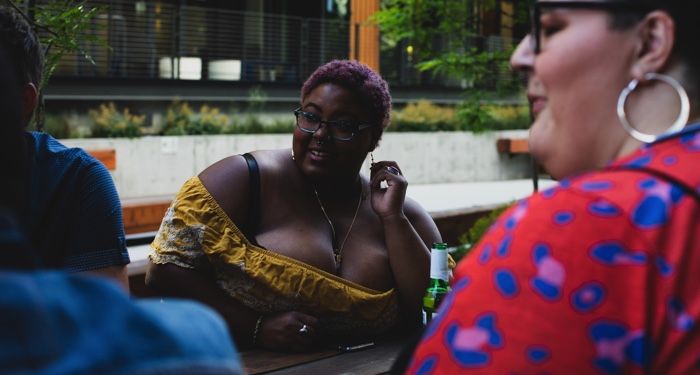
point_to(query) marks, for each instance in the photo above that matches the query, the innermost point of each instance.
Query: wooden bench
(512, 146)
(144, 215)
(108, 157)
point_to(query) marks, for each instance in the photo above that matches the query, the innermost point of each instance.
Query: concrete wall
(157, 166)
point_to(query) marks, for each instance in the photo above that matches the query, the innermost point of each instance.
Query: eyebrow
(341, 113)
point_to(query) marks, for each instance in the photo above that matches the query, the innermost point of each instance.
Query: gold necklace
(337, 250)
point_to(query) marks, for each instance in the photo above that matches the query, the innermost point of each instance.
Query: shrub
(177, 118)
(182, 120)
(423, 116)
(476, 232)
(474, 116)
(506, 117)
(280, 127)
(111, 123)
(57, 126)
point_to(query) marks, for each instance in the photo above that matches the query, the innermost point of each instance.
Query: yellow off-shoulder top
(197, 234)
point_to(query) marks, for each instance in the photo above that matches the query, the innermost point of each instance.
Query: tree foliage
(445, 36)
(63, 27)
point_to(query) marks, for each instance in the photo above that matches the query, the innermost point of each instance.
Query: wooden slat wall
(369, 33)
(108, 157)
(144, 216)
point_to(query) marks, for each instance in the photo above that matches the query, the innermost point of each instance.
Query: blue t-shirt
(73, 216)
(56, 323)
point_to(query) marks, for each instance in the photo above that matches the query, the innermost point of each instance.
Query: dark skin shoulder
(421, 221)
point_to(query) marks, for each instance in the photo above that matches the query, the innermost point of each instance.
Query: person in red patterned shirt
(598, 275)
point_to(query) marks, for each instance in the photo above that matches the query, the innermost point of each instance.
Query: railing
(170, 41)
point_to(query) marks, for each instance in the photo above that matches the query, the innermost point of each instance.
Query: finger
(377, 179)
(393, 170)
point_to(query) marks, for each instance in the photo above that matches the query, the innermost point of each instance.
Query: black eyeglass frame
(610, 6)
(355, 127)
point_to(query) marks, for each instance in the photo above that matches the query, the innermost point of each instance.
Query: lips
(319, 155)
(537, 103)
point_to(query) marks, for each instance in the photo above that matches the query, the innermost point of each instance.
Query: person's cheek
(542, 134)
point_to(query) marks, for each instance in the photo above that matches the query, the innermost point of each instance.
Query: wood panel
(143, 216)
(513, 146)
(368, 43)
(108, 157)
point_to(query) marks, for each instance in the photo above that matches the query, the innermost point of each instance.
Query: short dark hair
(684, 14)
(360, 79)
(22, 46)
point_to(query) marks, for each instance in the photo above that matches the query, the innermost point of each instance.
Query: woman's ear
(30, 96)
(657, 35)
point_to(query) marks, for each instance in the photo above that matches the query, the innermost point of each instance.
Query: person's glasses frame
(313, 119)
(610, 6)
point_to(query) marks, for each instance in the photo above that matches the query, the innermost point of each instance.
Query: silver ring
(393, 170)
(304, 329)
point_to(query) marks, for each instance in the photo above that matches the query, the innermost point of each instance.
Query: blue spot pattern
(639, 162)
(604, 208)
(506, 283)
(563, 217)
(691, 141)
(588, 297)
(614, 254)
(469, 346)
(651, 213)
(485, 255)
(680, 319)
(665, 268)
(549, 279)
(550, 193)
(654, 209)
(593, 186)
(616, 345)
(670, 160)
(538, 354)
(647, 183)
(427, 366)
(504, 247)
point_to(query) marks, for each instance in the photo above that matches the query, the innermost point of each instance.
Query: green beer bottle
(439, 276)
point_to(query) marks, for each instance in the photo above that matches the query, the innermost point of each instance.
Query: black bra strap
(254, 197)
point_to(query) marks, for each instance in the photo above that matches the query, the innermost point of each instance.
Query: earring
(293, 155)
(371, 158)
(674, 128)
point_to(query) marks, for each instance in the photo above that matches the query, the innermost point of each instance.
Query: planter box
(158, 166)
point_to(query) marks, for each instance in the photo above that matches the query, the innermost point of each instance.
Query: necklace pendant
(338, 259)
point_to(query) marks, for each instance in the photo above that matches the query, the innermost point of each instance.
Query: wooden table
(372, 361)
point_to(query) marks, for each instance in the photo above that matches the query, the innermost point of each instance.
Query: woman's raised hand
(287, 331)
(387, 200)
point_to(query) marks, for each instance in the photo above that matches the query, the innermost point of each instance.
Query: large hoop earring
(674, 128)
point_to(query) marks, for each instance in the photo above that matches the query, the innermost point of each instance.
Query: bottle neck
(438, 264)
(438, 284)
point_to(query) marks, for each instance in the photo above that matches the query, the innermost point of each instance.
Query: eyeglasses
(341, 130)
(609, 6)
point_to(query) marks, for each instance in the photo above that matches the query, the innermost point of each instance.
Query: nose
(323, 131)
(523, 58)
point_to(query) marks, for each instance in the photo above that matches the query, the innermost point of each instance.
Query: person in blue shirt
(54, 322)
(70, 213)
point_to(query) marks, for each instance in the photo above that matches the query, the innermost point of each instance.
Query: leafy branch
(63, 27)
